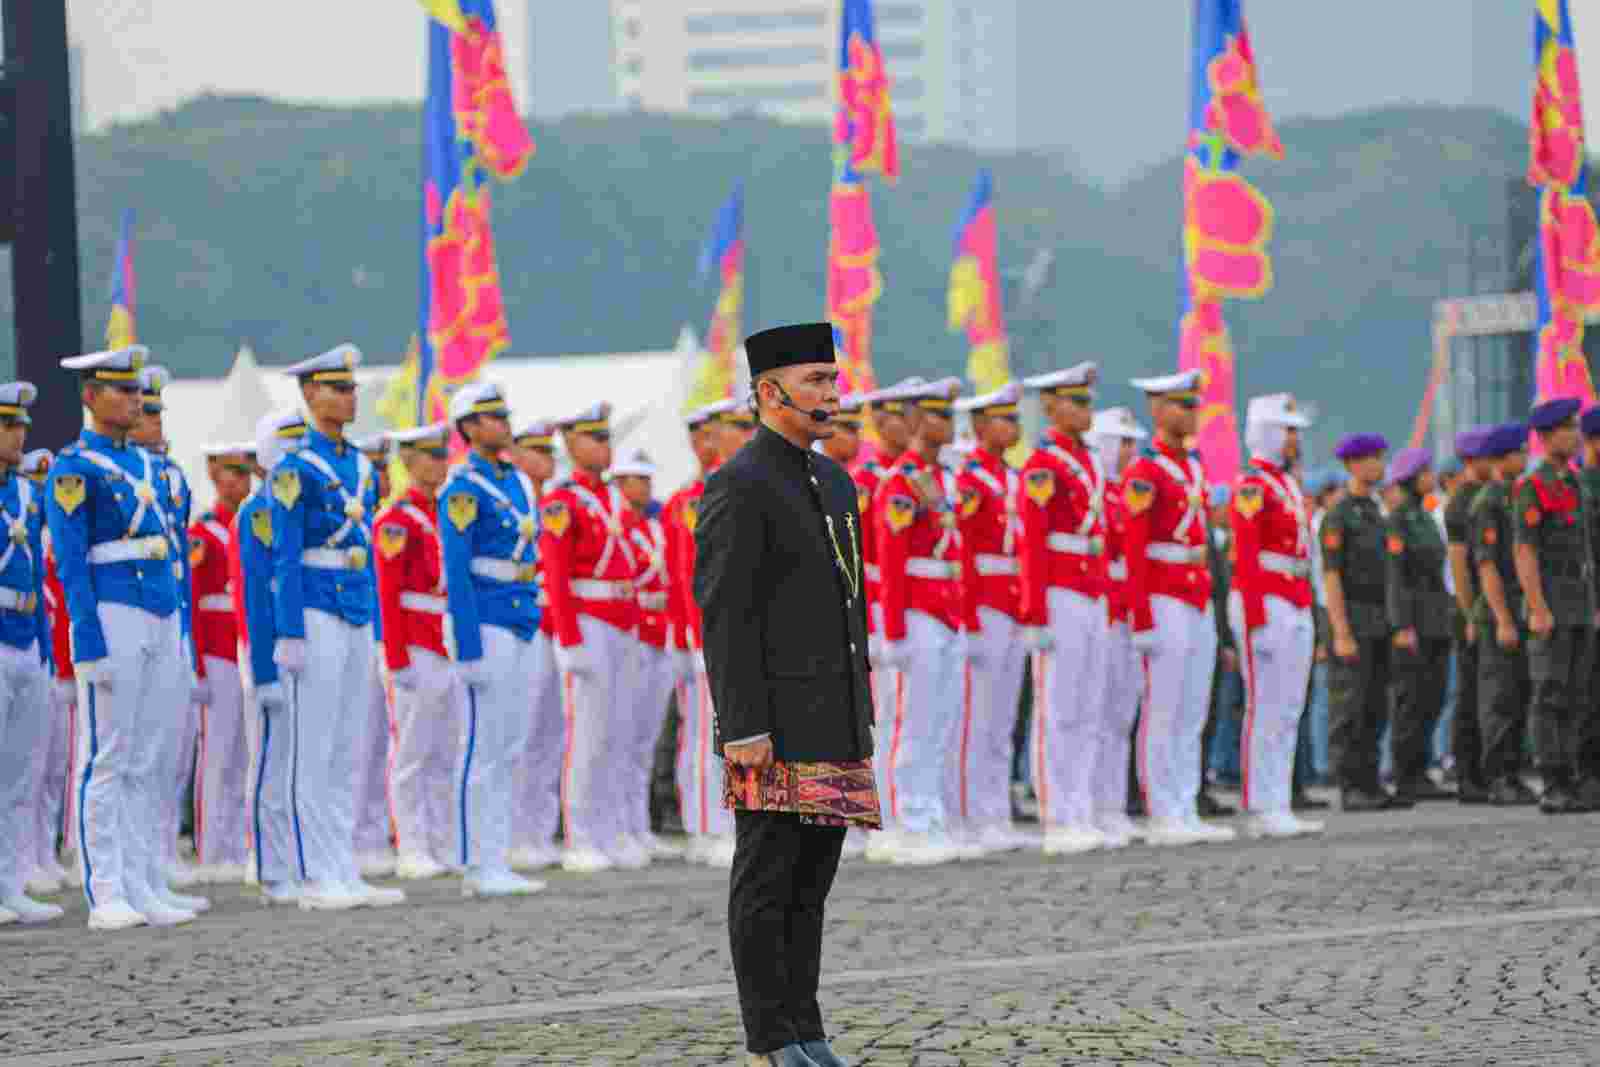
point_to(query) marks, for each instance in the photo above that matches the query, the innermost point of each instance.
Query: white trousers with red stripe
(1277, 666)
(372, 787)
(1069, 684)
(427, 725)
(1177, 698)
(24, 731)
(926, 725)
(652, 692)
(590, 807)
(492, 736)
(1124, 683)
(699, 762)
(221, 769)
(983, 750)
(536, 782)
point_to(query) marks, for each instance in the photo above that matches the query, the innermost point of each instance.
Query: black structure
(39, 210)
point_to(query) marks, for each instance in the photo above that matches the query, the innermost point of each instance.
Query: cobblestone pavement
(1444, 935)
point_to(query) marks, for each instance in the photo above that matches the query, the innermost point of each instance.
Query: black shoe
(787, 1056)
(1209, 807)
(822, 1054)
(1363, 800)
(1303, 801)
(1423, 789)
(1510, 792)
(1588, 793)
(1400, 802)
(1472, 791)
(1559, 799)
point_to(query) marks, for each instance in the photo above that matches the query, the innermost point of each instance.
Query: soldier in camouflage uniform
(1353, 576)
(1589, 727)
(1419, 619)
(1503, 689)
(1555, 566)
(1466, 742)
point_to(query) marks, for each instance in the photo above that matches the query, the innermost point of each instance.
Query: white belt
(1077, 544)
(990, 564)
(656, 601)
(1171, 552)
(923, 567)
(124, 549)
(1290, 566)
(503, 570)
(217, 602)
(16, 600)
(871, 571)
(596, 589)
(426, 603)
(1117, 570)
(338, 559)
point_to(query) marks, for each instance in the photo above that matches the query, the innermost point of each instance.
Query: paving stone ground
(1440, 936)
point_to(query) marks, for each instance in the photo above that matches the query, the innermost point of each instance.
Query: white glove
(96, 672)
(290, 655)
(575, 659)
(1145, 641)
(474, 674)
(200, 690)
(404, 679)
(270, 696)
(892, 655)
(66, 690)
(1038, 638)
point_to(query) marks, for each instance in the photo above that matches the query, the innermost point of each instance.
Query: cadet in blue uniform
(24, 648)
(323, 601)
(373, 854)
(115, 556)
(489, 534)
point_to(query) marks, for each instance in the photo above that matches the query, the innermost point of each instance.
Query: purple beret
(1469, 442)
(1590, 423)
(1407, 464)
(1552, 413)
(1357, 445)
(1505, 439)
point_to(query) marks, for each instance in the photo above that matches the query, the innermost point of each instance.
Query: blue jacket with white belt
(487, 511)
(22, 566)
(322, 496)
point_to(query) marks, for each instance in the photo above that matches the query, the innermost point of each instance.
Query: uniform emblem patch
(261, 526)
(863, 501)
(286, 486)
(197, 552)
(69, 491)
(1139, 495)
(1040, 485)
(462, 507)
(971, 501)
(900, 512)
(558, 518)
(391, 539)
(1490, 535)
(691, 514)
(1249, 500)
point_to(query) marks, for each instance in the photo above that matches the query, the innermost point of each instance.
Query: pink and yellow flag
(471, 133)
(1567, 277)
(864, 142)
(1226, 220)
(975, 300)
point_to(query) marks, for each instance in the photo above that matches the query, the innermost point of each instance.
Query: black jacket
(785, 625)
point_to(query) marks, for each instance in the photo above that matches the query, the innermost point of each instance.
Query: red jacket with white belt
(1164, 493)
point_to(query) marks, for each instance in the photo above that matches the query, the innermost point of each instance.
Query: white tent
(646, 390)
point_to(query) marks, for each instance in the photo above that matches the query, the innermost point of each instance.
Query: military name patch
(1040, 485)
(1249, 500)
(391, 539)
(1139, 495)
(900, 512)
(286, 486)
(69, 491)
(558, 517)
(462, 507)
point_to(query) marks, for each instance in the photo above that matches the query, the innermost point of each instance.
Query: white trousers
(372, 767)
(993, 686)
(1177, 698)
(24, 733)
(221, 769)
(1277, 666)
(493, 733)
(1069, 684)
(654, 691)
(1124, 683)
(536, 779)
(47, 781)
(927, 719)
(179, 747)
(590, 812)
(427, 729)
(277, 846)
(699, 763)
(126, 746)
(331, 701)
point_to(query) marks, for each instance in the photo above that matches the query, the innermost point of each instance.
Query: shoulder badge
(1532, 516)
(462, 507)
(286, 486)
(971, 501)
(558, 517)
(863, 500)
(1139, 495)
(261, 526)
(900, 511)
(1397, 544)
(1331, 539)
(1490, 535)
(69, 491)
(197, 551)
(391, 539)
(1248, 500)
(1040, 485)
(691, 514)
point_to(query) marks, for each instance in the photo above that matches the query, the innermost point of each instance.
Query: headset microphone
(817, 414)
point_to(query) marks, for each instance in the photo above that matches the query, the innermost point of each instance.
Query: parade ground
(1444, 935)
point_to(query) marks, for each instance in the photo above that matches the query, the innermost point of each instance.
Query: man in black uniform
(1589, 725)
(1466, 742)
(1496, 617)
(1555, 566)
(1353, 575)
(778, 578)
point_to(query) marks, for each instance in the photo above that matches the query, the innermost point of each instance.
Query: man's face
(426, 466)
(487, 431)
(1368, 469)
(936, 428)
(1426, 482)
(331, 401)
(13, 435)
(732, 436)
(147, 428)
(1072, 414)
(589, 450)
(115, 405)
(635, 490)
(996, 433)
(231, 477)
(1563, 440)
(893, 427)
(536, 461)
(843, 444)
(810, 387)
(1512, 466)
(1291, 445)
(703, 443)
(1178, 415)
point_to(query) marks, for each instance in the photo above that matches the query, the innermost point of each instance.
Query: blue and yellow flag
(723, 253)
(121, 328)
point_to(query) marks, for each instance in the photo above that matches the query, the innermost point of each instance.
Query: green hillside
(293, 227)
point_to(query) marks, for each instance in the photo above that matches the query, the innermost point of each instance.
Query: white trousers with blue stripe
(331, 699)
(494, 732)
(24, 730)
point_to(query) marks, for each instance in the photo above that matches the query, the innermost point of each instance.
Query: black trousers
(1466, 739)
(1358, 692)
(782, 871)
(1419, 679)
(1504, 694)
(1559, 668)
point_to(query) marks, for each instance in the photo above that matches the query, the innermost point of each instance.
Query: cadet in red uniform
(427, 693)
(1114, 436)
(1062, 503)
(589, 567)
(221, 837)
(922, 615)
(843, 445)
(991, 535)
(1169, 604)
(1269, 608)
